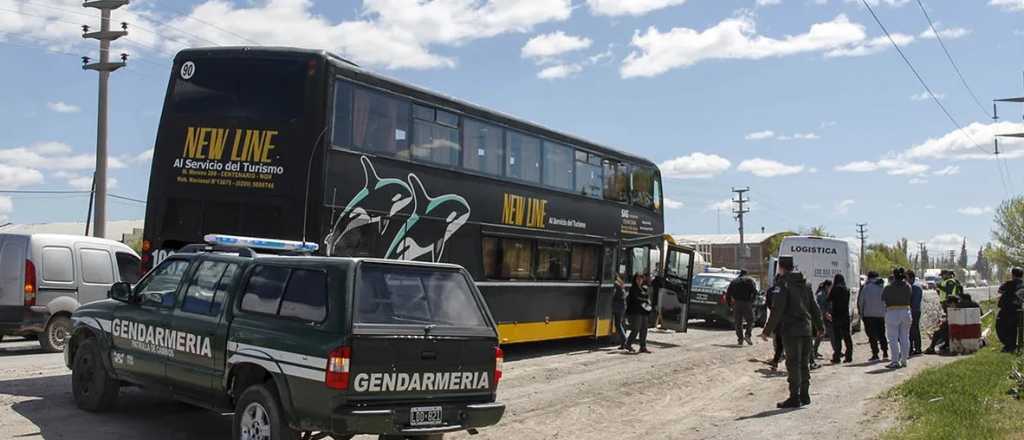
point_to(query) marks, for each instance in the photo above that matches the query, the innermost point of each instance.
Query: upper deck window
(558, 166)
(642, 187)
(483, 147)
(435, 136)
(589, 175)
(239, 87)
(380, 123)
(616, 181)
(523, 157)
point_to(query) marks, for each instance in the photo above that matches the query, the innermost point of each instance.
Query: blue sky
(802, 100)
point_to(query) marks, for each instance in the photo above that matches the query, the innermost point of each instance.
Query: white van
(45, 277)
(820, 259)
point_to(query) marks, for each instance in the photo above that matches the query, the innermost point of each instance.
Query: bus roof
(354, 71)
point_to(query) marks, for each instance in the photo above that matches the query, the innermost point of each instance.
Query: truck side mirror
(120, 291)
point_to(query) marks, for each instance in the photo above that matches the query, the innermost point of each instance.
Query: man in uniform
(949, 286)
(796, 317)
(1009, 310)
(741, 294)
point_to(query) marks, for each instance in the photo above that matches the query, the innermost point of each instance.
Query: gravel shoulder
(697, 385)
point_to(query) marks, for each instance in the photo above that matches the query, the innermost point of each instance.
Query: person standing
(916, 296)
(619, 310)
(741, 293)
(638, 307)
(1009, 310)
(839, 306)
(897, 317)
(821, 299)
(777, 338)
(796, 317)
(872, 312)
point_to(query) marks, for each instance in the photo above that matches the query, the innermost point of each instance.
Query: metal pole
(92, 194)
(100, 221)
(103, 67)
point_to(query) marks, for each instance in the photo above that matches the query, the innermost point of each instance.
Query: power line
(921, 79)
(75, 192)
(960, 74)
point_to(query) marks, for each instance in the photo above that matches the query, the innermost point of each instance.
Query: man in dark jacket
(917, 295)
(741, 294)
(796, 317)
(1009, 310)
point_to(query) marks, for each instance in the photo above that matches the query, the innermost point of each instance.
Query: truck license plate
(425, 416)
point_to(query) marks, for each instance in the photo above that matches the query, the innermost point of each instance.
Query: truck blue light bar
(260, 243)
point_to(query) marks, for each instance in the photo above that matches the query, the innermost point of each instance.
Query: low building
(724, 250)
(126, 231)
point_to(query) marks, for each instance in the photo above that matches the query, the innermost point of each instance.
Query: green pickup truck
(297, 346)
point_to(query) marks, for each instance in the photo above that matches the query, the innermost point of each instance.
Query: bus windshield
(248, 88)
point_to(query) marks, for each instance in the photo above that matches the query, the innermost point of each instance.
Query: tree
(882, 258)
(817, 231)
(1009, 234)
(774, 241)
(926, 261)
(962, 261)
(982, 266)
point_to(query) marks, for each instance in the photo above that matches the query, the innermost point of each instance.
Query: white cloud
(947, 171)
(917, 181)
(827, 124)
(929, 206)
(870, 47)
(874, 3)
(695, 166)
(810, 206)
(843, 207)
(673, 204)
(553, 44)
(559, 71)
(954, 145)
(1010, 5)
(62, 107)
(144, 156)
(799, 136)
(387, 33)
(657, 52)
(52, 156)
(975, 211)
(6, 207)
(892, 166)
(768, 168)
(12, 177)
(946, 34)
(945, 243)
(768, 2)
(721, 205)
(84, 183)
(629, 7)
(599, 57)
(924, 96)
(758, 135)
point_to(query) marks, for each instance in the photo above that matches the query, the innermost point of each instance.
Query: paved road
(695, 385)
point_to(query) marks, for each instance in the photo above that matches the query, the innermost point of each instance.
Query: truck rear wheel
(93, 388)
(56, 335)
(258, 416)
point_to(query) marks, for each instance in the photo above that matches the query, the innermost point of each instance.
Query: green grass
(964, 399)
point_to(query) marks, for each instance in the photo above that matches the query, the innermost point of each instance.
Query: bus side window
(380, 123)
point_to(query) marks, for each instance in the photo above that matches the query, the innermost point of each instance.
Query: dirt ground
(697, 385)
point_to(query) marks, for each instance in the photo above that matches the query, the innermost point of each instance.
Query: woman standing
(638, 307)
(897, 317)
(839, 307)
(619, 310)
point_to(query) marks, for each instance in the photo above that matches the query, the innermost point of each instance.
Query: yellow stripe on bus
(543, 331)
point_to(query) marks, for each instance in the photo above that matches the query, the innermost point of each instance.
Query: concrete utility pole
(862, 234)
(104, 67)
(740, 210)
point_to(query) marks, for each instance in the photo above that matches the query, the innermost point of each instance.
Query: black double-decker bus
(304, 145)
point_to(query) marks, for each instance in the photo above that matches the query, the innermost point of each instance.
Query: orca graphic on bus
(377, 191)
(414, 239)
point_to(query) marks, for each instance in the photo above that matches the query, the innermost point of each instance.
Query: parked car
(46, 277)
(707, 300)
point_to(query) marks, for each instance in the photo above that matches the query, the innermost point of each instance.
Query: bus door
(674, 300)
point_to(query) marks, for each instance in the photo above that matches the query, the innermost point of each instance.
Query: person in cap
(1009, 310)
(796, 317)
(741, 294)
(896, 297)
(872, 312)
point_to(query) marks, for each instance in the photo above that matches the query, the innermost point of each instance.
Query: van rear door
(13, 255)
(420, 334)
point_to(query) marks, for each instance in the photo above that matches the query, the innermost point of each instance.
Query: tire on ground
(56, 335)
(93, 388)
(258, 411)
